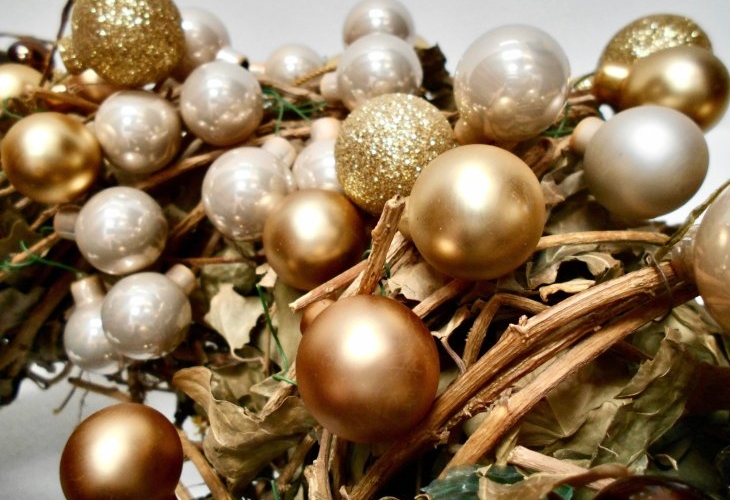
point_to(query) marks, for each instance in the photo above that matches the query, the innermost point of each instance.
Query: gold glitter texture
(650, 34)
(127, 42)
(384, 144)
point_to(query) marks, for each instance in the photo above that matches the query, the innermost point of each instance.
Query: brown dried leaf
(240, 443)
(415, 281)
(234, 316)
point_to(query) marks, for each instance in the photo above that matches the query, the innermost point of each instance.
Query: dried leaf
(234, 316)
(657, 395)
(415, 281)
(14, 307)
(286, 321)
(240, 443)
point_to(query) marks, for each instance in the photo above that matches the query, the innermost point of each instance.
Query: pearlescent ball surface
(383, 146)
(645, 162)
(510, 84)
(378, 16)
(139, 131)
(205, 34)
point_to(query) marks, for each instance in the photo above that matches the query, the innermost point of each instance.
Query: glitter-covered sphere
(384, 144)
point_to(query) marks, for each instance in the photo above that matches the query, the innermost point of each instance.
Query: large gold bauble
(689, 79)
(384, 144)
(124, 451)
(15, 79)
(50, 157)
(638, 39)
(127, 42)
(476, 212)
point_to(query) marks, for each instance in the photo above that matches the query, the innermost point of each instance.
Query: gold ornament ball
(638, 39)
(16, 78)
(50, 157)
(476, 212)
(689, 79)
(127, 42)
(124, 451)
(312, 236)
(384, 144)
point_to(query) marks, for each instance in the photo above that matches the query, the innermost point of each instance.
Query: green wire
(270, 326)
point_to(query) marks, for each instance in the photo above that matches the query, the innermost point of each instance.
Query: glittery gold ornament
(127, 42)
(384, 144)
(639, 39)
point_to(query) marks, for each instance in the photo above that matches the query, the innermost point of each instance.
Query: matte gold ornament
(124, 451)
(128, 42)
(687, 78)
(384, 144)
(15, 79)
(367, 368)
(638, 39)
(313, 235)
(476, 212)
(50, 157)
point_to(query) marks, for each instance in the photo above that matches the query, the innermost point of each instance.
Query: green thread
(281, 106)
(270, 326)
(8, 266)
(282, 378)
(6, 109)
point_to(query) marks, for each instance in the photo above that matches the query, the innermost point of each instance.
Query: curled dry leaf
(234, 316)
(240, 443)
(415, 281)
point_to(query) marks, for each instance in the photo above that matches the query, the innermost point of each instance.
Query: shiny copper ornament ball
(687, 78)
(384, 144)
(313, 235)
(122, 452)
(127, 42)
(638, 39)
(476, 212)
(367, 368)
(50, 157)
(313, 310)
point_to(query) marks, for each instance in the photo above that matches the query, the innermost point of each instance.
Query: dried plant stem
(7, 191)
(383, 234)
(534, 461)
(502, 417)
(317, 474)
(588, 308)
(111, 392)
(182, 492)
(191, 220)
(293, 90)
(36, 249)
(296, 462)
(444, 294)
(217, 489)
(179, 168)
(590, 237)
(66, 98)
(13, 356)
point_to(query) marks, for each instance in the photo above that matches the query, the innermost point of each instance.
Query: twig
(65, 97)
(534, 461)
(383, 234)
(295, 462)
(182, 492)
(111, 392)
(317, 474)
(179, 168)
(191, 220)
(211, 478)
(24, 256)
(602, 301)
(588, 237)
(447, 292)
(505, 415)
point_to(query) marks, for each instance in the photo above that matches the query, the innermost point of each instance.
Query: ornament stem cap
(583, 133)
(64, 222)
(87, 290)
(328, 87)
(183, 277)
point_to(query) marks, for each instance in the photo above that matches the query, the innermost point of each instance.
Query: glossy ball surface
(375, 65)
(124, 451)
(378, 16)
(384, 145)
(128, 42)
(146, 315)
(16, 78)
(510, 84)
(221, 103)
(367, 368)
(650, 488)
(84, 340)
(645, 162)
(476, 212)
(313, 235)
(241, 188)
(121, 230)
(292, 61)
(205, 34)
(50, 157)
(687, 78)
(139, 131)
(711, 259)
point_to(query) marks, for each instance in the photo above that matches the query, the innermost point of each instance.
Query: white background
(31, 437)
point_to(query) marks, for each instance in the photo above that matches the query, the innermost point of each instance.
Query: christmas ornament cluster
(154, 148)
